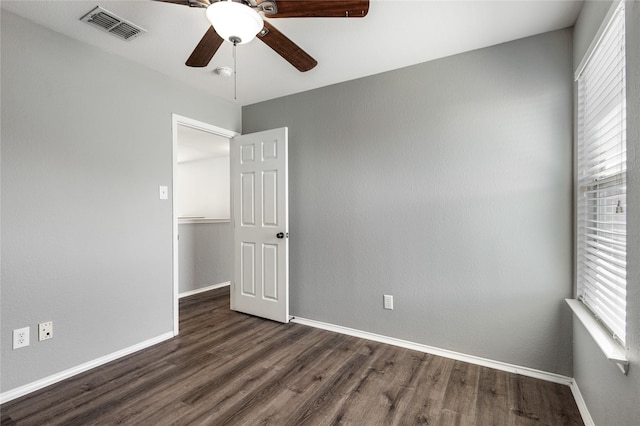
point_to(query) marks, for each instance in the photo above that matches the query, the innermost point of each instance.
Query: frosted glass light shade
(235, 22)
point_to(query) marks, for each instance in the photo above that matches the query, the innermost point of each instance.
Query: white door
(259, 181)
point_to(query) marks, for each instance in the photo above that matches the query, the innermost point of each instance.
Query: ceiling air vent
(113, 24)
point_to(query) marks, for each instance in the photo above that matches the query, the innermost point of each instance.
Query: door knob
(280, 235)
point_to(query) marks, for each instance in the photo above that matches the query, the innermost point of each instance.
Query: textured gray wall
(206, 254)
(86, 243)
(447, 185)
(612, 398)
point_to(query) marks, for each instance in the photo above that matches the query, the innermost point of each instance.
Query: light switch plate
(164, 192)
(388, 302)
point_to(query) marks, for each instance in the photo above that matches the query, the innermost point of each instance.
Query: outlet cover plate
(45, 330)
(20, 337)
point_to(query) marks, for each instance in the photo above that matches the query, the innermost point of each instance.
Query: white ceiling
(395, 34)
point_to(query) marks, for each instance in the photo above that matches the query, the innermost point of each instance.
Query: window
(602, 166)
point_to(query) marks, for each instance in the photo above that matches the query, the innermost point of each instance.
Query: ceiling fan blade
(206, 48)
(321, 9)
(192, 3)
(284, 47)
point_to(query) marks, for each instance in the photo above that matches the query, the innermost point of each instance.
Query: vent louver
(113, 24)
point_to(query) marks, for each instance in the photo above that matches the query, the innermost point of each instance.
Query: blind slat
(617, 287)
(604, 240)
(611, 307)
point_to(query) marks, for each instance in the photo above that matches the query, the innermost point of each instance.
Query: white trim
(205, 127)
(596, 39)
(582, 406)
(199, 125)
(203, 289)
(58, 377)
(175, 120)
(498, 365)
(192, 220)
(611, 349)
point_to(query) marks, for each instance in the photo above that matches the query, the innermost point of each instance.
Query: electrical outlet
(388, 302)
(20, 337)
(45, 330)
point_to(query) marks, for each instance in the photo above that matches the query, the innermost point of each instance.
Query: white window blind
(602, 167)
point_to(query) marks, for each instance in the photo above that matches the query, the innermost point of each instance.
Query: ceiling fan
(240, 21)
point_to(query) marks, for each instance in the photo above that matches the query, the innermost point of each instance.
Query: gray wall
(86, 243)
(206, 254)
(447, 185)
(612, 398)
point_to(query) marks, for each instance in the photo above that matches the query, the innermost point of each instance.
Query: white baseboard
(39, 384)
(498, 365)
(203, 289)
(582, 405)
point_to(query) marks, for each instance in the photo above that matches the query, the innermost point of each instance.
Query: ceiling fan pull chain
(235, 72)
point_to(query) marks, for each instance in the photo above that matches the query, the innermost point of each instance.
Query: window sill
(611, 349)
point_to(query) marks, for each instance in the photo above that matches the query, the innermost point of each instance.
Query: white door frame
(177, 120)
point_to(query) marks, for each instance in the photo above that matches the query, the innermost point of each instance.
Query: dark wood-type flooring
(229, 368)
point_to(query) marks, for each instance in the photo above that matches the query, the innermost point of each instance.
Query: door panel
(247, 199)
(261, 224)
(270, 271)
(247, 269)
(270, 198)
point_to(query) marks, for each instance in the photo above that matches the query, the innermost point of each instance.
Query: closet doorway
(202, 229)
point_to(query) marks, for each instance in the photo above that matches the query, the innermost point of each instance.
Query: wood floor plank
(227, 368)
(337, 351)
(425, 403)
(260, 358)
(385, 385)
(326, 404)
(300, 386)
(462, 389)
(303, 356)
(492, 405)
(553, 396)
(99, 409)
(449, 417)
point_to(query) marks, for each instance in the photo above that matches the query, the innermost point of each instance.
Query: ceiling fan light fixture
(235, 22)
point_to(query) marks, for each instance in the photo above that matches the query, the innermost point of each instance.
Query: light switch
(164, 192)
